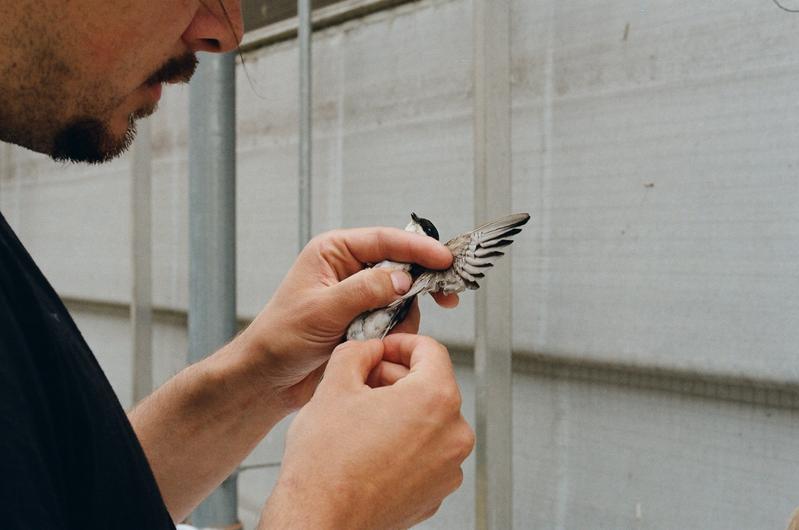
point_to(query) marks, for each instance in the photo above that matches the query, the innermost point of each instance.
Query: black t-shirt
(69, 458)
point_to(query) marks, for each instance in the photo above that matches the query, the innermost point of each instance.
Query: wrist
(241, 368)
(280, 362)
(294, 504)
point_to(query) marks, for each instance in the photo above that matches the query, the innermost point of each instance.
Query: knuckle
(354, 348)
(465, 443)
(432, 347)
(382, 239)
(431, 512)
(442, 350)
(317, 240)
(455, 398)
(457, 479)
(381, 283)
(471, 438)
(372, 287)
(445, 399)
(342, 352)
(341, 349)
(430, 343)
(324, 243)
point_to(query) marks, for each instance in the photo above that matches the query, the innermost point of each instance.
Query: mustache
(175, 70)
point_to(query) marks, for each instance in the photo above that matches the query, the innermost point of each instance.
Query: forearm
(198, 426)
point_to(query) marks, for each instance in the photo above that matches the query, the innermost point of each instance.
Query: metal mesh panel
(260, 13)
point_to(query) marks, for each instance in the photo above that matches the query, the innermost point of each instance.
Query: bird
(473, 253)
(377, 323)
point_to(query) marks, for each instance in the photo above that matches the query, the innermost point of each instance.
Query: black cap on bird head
(428, 227)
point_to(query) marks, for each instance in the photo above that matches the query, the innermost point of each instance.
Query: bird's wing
(473, 252)
(476, 251)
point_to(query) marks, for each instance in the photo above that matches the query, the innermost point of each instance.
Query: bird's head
(420, 225)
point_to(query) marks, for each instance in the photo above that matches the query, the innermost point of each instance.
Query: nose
(216, 27)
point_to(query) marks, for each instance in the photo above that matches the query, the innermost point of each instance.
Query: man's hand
(379, 445)
(324, 291)
(223, 405)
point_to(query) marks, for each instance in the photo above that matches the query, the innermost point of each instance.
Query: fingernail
(401, 281)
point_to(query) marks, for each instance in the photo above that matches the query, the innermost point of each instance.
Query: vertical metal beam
(304, 37)
(212, 237)
(141, 307)
(492, 187)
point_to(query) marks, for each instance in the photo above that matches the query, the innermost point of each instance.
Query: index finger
(370, 245)
(419, 353)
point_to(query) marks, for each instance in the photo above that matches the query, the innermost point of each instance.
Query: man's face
(75, 75)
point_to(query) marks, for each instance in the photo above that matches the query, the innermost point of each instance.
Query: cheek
(105, 54)
(128, 45)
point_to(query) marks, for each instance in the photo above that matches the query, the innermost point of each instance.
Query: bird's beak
(414, 217)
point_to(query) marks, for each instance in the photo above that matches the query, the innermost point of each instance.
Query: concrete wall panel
(74, 221)
(601, 456)
(650, 141)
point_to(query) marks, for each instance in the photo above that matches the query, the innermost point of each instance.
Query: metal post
(141, 308)
(304, 36)
(212, 238)
(492, 179)
(7, 169)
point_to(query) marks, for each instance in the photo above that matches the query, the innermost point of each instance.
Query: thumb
(350, 364)
(369, 289)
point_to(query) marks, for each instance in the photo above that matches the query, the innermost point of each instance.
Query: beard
(90, 139)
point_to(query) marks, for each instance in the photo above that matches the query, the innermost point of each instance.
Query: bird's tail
(420, 285)
(399, 315)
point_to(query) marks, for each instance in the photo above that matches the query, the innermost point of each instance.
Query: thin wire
(258, 466)
(239, 52)
(776, 3)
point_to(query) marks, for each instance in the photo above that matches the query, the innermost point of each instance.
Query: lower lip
(155, 91)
